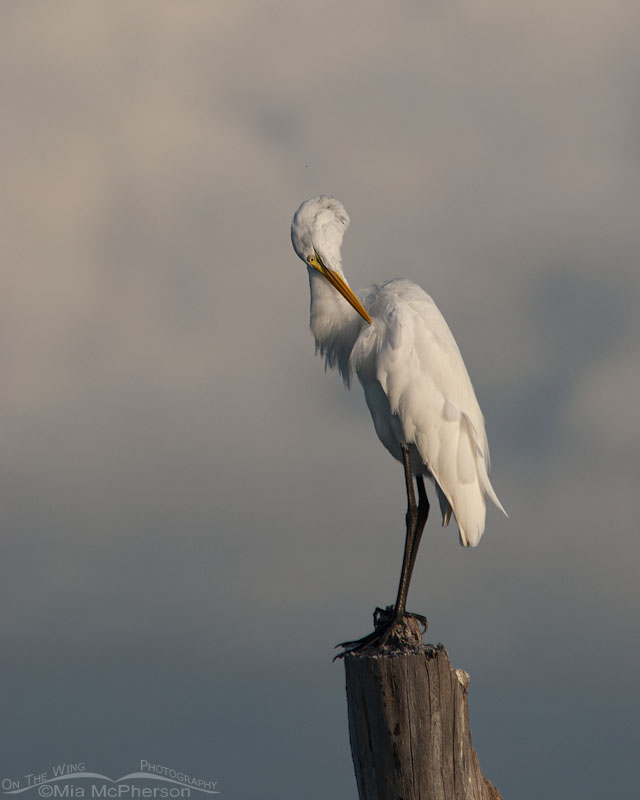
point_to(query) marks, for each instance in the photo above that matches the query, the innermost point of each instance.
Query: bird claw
(386, 629)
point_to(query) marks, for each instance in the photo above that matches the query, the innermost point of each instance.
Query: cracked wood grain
(409, 727)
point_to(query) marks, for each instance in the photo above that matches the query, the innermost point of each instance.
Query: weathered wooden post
(409, 724)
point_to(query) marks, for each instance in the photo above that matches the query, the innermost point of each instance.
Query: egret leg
(386, 620)
(423, 516)
(409, 542)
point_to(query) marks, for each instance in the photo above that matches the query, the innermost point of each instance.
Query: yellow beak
(339, 283)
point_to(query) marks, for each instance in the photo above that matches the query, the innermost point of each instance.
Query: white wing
(419, 392)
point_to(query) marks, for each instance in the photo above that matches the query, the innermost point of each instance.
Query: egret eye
(310, 259)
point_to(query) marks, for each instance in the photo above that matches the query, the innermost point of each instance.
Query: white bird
(416, 385)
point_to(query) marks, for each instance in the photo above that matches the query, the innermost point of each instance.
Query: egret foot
(388, 632)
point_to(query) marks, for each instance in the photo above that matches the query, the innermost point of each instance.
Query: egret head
(316, 234)
(318, 227)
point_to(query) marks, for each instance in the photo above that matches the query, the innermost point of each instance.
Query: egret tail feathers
(481, 461)
(483, 477)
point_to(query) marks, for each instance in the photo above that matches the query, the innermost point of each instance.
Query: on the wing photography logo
(76, 781)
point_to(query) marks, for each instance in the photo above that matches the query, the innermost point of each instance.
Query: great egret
(416, 385)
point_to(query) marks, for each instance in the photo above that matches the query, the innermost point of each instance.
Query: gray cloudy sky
(193, 512)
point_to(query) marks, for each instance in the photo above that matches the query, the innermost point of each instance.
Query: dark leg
(423, 516)
(409, 542)
(385, 620)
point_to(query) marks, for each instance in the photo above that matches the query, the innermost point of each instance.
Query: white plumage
(415, 382)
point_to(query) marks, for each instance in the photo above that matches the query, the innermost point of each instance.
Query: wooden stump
(409, 726)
